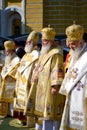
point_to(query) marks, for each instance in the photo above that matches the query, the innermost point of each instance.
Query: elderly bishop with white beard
(44, 101)
(23, 82)
(8, 80)
(74, 85)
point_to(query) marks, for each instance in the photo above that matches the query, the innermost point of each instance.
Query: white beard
(76, 53)
(45, 48)
(8, 58)
(28, 48)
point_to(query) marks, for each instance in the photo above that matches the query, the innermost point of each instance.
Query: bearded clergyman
(23, 83)
(7, 86)
(44, 101)
(74, 85)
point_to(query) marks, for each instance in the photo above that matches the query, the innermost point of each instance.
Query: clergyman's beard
(45, 49)
(8, 59)
(76, 53)
(28, 48)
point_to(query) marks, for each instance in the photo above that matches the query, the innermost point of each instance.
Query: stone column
(2, 18)
(23, 18)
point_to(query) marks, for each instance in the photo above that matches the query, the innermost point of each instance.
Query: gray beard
(9, 58)
(76, 53)
(45, 49)
(28, 48)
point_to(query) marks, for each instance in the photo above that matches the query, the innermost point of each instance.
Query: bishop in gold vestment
(8, 80)
(23, 76)
(44, 100)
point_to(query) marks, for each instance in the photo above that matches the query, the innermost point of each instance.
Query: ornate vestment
(23, 76)
(67, 61)
(8, 84)
(48, 73)
(74, 87)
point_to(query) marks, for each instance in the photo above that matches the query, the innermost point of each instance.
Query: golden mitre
(74, 32)
(33, 36)
(48, 33)
(9, 45)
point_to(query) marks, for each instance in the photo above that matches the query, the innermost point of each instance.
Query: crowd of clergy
(40, 86)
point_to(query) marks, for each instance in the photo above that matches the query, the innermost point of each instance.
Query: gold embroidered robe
(50, 73)
(23, 77)
(7, 86)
